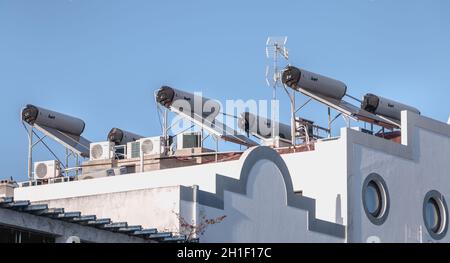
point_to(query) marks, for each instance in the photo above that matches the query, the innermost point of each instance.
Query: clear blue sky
(101, 60)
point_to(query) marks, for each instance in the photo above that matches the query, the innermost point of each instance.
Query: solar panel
(351, 110)
(216, 128)
(77, 144)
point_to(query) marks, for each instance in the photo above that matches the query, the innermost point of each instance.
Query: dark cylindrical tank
(262, 126)
(44, 117)
(122, 137)
(385, 107)
(205, 107)
(297, 78)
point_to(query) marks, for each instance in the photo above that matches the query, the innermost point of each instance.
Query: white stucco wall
(322, 174)
(334, 169)
(203, 175)
(260, 216)
(408, 180)
(150, 208)
(148, 199)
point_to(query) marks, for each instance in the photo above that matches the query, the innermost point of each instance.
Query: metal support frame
(347, 120)
(293, 130)
(164, 124)
(336, 117)
(316, 128)
(274, 90)
(166, 128)
(354, 98)
(291, 96)
(204, 138)
(275, 47)
(141, 160)
(70, 153)
(40, 139)
(329, 122)
(303, 105)
(30, 152)
(278, 49)
(166, 131)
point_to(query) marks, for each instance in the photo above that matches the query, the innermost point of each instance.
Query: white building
(353, 188)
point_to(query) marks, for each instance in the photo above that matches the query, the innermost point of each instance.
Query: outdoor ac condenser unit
(102, 151)
(133, 149)
(46, 170)
(152, 145)
(148, 146)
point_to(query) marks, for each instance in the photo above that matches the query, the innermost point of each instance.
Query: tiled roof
(26, 206)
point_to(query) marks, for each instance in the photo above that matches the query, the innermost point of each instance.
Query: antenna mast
(275, 49)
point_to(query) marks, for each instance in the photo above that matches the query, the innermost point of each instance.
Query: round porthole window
(375, 199)
(435, 214)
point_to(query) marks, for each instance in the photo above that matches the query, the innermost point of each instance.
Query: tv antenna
(276, 50)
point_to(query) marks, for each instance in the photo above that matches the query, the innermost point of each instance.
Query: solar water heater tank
(297, 78)
(202, 106)
(385, 107)
(261, 126)
(59, 121)
(122, 137)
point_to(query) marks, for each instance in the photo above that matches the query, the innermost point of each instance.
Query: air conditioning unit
(148, 146)
(189, 140)
(46, 170)
(133, 149)
(102, 151)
